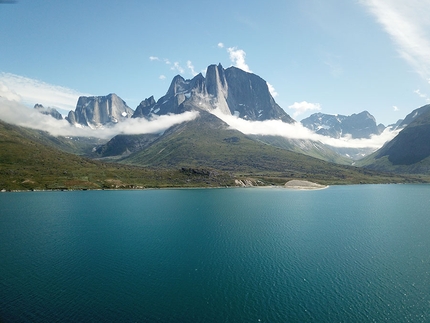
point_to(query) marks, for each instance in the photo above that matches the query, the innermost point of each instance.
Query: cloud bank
(15, 113)
(408, 25)
(30, 91)
(298, 131)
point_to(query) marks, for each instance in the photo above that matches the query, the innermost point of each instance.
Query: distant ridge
(361, 125)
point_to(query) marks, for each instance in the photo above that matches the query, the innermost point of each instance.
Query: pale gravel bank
(304, 185)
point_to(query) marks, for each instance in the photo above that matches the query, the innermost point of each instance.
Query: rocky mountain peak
(97, 111)
(48, 111)
(360, 125)
(232, 90)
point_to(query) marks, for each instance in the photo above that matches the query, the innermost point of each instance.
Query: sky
(329, 56)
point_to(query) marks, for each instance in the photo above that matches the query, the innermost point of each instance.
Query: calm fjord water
(343, 254)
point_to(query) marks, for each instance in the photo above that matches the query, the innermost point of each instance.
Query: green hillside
(408, 152)
(209, 142)
(28, 164)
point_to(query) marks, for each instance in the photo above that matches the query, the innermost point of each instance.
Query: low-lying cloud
(298, 131)
(29, 91)
(18, 114)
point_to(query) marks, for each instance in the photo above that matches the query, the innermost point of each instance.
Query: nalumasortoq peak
(232, 91)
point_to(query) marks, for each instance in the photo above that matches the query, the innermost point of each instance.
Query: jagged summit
(97, 111)
(360, 125)
(231, 90)
(48, 111)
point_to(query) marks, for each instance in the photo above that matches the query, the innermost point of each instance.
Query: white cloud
(154, 58)
(30, 91)
(16, 113)
(422, 95)
(408, 25)
(167, 61)
(395, 108)
(298, 131)
(177, 67)
(9, 94)
(237, 57)
(272, 90)
(191, 67)
(302, 107)
(162, 77)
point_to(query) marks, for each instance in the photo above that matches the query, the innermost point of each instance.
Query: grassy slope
(307, 147)
(208, 142)
(26, 163)
(407, 153)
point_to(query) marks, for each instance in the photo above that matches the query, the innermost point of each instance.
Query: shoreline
(291, 185)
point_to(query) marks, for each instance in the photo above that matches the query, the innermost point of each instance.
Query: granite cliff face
(232, 91)
(97, 111)
(361, 125)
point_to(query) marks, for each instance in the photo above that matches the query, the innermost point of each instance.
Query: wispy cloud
(298, 131)
(176, 66)
(422, 95)
(30, 91)
(302, 107)
(332, 61)
(408, 25)
(237, 57)
(396, 108)
(191, 68)
(16, 113)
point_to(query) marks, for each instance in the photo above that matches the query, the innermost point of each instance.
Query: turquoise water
(343, 254)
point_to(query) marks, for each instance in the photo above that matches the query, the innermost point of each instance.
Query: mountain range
(230, 91)
(207, 145)
(361, 125)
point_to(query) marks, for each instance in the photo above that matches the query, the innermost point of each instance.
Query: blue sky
(333, 56)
